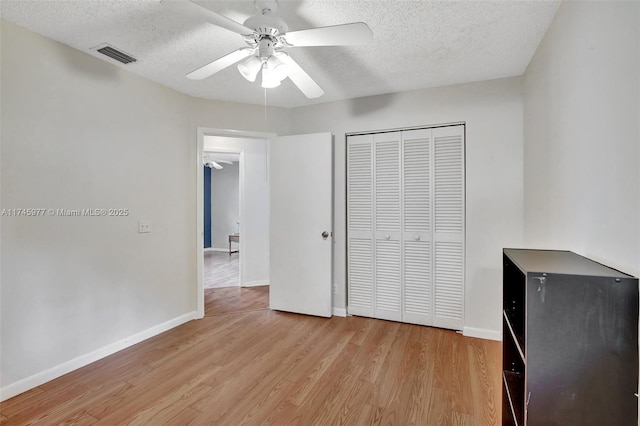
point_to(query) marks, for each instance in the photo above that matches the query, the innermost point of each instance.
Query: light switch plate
(144, 226)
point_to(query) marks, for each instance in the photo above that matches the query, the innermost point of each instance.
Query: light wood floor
(227, 300)
(254, 366)
(221, 269)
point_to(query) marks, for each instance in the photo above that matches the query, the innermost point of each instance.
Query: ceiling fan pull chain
(265, 110)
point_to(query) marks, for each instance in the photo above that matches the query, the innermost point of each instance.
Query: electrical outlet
(144, 226)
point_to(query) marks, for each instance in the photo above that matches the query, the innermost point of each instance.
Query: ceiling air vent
(116, 54)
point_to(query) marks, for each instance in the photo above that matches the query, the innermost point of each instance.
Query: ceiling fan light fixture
(279, 69)
(269, 81)
(273, 72)
(272, 76)
(250, 67)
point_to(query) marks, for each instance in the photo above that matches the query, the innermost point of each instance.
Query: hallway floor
(221, 269)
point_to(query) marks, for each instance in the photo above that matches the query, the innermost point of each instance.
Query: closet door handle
(387, 237)
(416, 237)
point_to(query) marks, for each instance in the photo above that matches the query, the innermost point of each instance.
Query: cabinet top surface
(560, 262)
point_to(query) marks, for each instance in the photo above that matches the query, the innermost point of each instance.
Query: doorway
(253, 245)
(221, 219)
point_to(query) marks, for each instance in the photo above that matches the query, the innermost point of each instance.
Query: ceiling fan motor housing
(266, 47)
(268, 34)
(267, 25)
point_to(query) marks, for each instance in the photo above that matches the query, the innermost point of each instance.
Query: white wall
(582, 134)
(225, 204)
(78, 132)
(493, 113)
(254, 227)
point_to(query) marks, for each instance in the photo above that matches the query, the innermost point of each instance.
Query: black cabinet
(570, 341)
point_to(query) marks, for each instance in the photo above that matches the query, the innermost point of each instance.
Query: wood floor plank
(361, 327)
(221, 301)
(22, 402)
(485, 387)
(421, 385)
(374, 351)
(168, 407)
(322, 364)
(187, 416)
(440, 413)
(276, 362)
(320, 411)
(256, 366)
(458, 419)
(298, 353)
(404, 386)
(143, 399)
(366, 415)
(239, 376)
(354, 404)
(266, 403)
(460, 392)
(79, 419)
(284, 414)
(77, 407)
(395, 369)
(443, 353)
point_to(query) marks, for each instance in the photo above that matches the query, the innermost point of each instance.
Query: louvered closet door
(417, 242)
(449, 226)
(360, 224)
(387, 233)
(405, 209)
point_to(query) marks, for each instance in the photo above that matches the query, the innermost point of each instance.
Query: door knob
(325, 235)
(416, 237)
(387, 237)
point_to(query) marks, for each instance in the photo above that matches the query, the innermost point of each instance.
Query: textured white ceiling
(416, 44)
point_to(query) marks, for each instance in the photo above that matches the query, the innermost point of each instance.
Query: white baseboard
(31, 382)
(255, 283)
(339, 312)
(224, 250)
(482, 333)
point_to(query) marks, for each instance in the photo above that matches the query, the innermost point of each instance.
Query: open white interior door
(301, 197)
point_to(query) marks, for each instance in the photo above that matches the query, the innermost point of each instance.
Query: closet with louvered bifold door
(405, 225)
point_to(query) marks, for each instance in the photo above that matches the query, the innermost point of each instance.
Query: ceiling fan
(214, 162)
(267, 36)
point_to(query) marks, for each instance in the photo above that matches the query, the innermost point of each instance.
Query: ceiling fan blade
(220, 64)
(300, 78)
(195, 11)
(336, 35)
